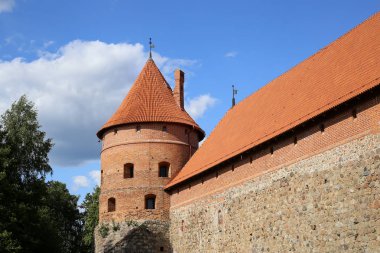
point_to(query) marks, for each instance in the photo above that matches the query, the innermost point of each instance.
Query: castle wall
(316, 194)
(145, 148)
(137, 237)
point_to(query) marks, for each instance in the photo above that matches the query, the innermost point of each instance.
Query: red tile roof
(340, 71)
(150, 100)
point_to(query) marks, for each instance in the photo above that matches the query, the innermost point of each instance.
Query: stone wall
(134, 237)
(326, 203)
(316, 190)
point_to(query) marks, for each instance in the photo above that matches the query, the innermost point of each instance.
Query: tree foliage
(90, 206)
(36, 216)
(27, 146)
(64, 218)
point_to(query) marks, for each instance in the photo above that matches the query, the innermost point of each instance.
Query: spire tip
(151, 45)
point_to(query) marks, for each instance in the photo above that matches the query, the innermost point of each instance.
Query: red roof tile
(341, 71)
(150, 100)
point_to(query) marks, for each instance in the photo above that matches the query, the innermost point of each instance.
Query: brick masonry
(145, 148)
(316, 194)
(132, 227)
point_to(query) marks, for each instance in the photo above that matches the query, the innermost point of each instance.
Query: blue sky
(77, 59)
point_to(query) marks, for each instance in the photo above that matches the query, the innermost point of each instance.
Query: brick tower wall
(144, 145)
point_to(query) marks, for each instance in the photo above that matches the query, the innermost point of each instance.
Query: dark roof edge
(201, 133)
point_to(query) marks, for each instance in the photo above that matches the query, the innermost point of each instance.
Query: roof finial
(151, 45)
(234, 92)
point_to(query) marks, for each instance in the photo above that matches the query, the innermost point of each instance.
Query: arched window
(163, 169)
(128, 170)
(111, 205)
(150, 201)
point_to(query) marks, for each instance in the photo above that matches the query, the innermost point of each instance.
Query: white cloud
(7, 5)
(95, 176)
(80, 182)
(48, 43)
(76, 89)
(231, 54)
(197, 106)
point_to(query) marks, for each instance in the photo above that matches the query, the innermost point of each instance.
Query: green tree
(8, 243)
(35, 216)
(24, 154)
(64, 218)
(28, 148)
(91, 217)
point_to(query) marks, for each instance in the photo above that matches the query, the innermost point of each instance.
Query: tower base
(148, 236)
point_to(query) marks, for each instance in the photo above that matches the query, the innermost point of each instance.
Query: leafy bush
(103, 230)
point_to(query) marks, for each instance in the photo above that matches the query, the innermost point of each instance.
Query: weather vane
(151, 45)
(234, 92)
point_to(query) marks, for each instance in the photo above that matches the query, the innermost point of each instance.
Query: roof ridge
(311, 56)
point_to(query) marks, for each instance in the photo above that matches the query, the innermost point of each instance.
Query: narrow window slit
(111, 205)
(163, 169)
(150, 201)
(128, 170)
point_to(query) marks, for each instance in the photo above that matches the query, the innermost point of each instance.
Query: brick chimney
(179, 77)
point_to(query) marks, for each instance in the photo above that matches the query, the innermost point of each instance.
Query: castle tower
(144, 145)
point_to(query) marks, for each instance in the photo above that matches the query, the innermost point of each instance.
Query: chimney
(179, 77)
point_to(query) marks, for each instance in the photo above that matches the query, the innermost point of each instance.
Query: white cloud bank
(84, 181)
(80, 182)
(7, 5)
(197, 106)
(77, 88)
(95, 176)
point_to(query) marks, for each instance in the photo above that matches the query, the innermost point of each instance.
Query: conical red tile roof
(150, 100)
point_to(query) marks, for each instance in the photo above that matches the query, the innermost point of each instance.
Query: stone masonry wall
(327, 203)
(133, 236)
(319, 193)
